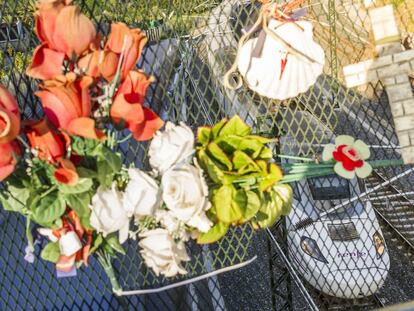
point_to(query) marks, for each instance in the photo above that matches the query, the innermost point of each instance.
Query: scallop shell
(263, 74)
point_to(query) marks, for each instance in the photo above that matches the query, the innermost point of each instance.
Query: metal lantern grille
(191, 46)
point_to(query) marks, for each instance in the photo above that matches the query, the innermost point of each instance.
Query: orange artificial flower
(8, 152)
(46, 63)
(130, 42)
(128, 107)
(100, 63)
(66, 173)
(9, 116)
(63, 27)
(72, 223)
(50, 145)
(67, 105)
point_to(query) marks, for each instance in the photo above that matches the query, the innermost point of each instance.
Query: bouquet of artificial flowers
(63, 175)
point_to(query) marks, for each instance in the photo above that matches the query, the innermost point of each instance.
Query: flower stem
(105, 261)
(49, 191)
(295, 158)
(29, 234)
(385, 163)
(23, 142)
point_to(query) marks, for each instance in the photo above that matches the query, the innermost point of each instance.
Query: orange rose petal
(46, 63)
(85, 127)
(66, 177)
(146, 130)
(50, 146)
(8, 102)
(74, 32)
(9, 126)
(87, 248)
(6, 171)
(66, 173)
(57, 107)
(119, 37)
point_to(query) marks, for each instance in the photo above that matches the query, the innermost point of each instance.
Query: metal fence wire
(357, 256)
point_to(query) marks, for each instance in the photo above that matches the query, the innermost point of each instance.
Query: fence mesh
(192, 44)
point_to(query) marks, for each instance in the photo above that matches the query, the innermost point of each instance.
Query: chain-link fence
(351, 255)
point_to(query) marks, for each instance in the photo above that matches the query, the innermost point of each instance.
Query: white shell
(263, 74)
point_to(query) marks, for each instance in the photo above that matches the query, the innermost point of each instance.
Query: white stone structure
(392, 67)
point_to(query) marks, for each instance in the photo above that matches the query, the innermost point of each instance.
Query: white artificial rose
(69, 244)
(185, 194)
(108, 214)
(172, 146)
(141, 196)
(162, 253)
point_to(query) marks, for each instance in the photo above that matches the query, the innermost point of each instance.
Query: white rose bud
(162, 254)
(108, 214)
(172, 146)
(141, 197)
(69, 243)
(185, 193)
(173, 225)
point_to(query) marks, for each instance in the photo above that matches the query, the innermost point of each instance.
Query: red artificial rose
(348, 156)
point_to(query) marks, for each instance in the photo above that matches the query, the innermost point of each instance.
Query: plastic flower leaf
(350, 156)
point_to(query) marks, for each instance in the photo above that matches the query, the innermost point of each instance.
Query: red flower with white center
(350, 156)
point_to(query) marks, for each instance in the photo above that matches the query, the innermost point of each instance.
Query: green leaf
(230, 143)
(46, 210)
(105, 173)
(273, 209)
(218, 154)
(285, 193)
(251, 146)
(261, 139)
(215, 130)
(203, 135)
(274, 175)
(15, 198)
(96, 243)
(113, 241)
(51, 252)
(228, 204)
(241, 160)
(214, 234)
(79, 203)
(253, 205)
(265, 153)
(213, 171)
(235, 126)
(86, 173)
(83, 185)
(113, 159)
(85, 147)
